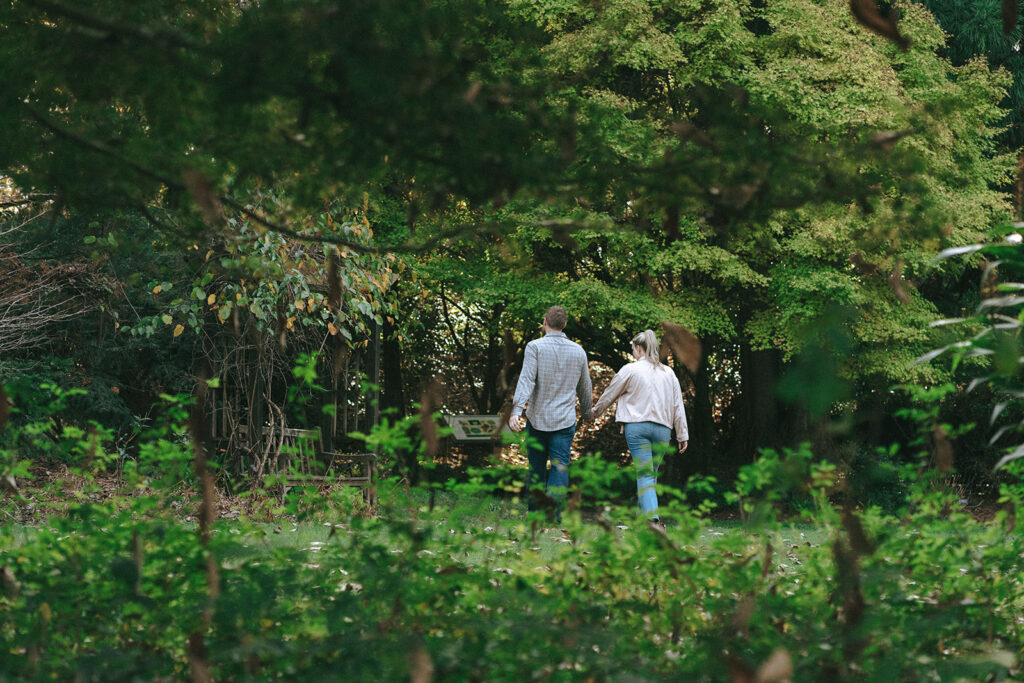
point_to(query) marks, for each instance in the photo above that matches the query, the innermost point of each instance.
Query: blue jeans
(540, 448)
(641, 437)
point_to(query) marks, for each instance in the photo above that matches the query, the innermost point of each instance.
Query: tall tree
(746, 169)
(775, 178)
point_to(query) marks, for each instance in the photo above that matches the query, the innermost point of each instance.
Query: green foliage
(280, 286)
(770, 175)
(165, 453)
(993, 345)
(455, 582)
(121, 374)
(38, 429)
(212, 89)
(769, 165)
(976, 30)
(738, 168)
(778, 483)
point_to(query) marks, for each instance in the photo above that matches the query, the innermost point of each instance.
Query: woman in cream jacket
(650, 405)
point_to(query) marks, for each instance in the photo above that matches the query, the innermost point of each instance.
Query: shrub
(452, 582)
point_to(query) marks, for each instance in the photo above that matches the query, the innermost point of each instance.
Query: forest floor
(255, 533)
(54, 486)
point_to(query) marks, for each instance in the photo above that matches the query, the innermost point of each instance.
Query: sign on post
(474, 427)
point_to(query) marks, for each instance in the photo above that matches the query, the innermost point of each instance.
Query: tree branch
(34, 199)
(482, 229)
(163, 37)
(100, 148)
(464, 348)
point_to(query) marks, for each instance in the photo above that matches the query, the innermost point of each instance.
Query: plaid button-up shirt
(554, 373)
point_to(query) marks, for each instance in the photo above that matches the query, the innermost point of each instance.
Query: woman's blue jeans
(641, 437)
(540, 448)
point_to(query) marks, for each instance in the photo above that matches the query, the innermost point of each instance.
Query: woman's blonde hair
(648, 343)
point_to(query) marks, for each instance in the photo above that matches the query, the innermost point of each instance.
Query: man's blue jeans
(540, 448)
(641, 437)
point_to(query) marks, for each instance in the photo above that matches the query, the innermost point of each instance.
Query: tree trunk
(756, 411)
(701, 424)
(373, 377)
(391, 364)
(257, 395)
(494, 362)
(328, 420)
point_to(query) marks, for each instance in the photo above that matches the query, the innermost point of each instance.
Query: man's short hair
(556, 318)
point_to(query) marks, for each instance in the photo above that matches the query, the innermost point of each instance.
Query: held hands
(515, 423)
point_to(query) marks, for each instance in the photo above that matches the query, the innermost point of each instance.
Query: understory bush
(451, 583)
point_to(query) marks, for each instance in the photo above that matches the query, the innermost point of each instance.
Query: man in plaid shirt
(554, 374)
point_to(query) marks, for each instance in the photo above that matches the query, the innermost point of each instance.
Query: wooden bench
(300, 457)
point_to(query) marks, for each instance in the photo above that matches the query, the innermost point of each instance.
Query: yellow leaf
(332, 328)
(300, 305)
(158, 289)
(178, 329)
(238, 296)
(166, 318)
(210, 299)
(310, 302)
(289, 323)
(208, 255)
